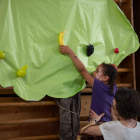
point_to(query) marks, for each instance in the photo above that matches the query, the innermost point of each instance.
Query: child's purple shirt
(102, 99)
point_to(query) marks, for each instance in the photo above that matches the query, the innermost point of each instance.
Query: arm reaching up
(79, 65)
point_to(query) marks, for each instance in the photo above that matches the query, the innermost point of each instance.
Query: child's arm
(79, 65)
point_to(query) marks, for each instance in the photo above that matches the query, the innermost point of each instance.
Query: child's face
(98, 74)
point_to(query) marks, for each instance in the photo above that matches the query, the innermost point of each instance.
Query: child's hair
(112, 73)
(128, 103)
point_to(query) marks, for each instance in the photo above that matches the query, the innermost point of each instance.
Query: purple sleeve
(96, 84)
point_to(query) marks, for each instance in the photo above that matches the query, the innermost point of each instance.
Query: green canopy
(29, 31)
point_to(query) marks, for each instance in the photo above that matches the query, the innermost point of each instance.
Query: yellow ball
(2, 55)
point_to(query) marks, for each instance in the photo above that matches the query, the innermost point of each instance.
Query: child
(102, 82)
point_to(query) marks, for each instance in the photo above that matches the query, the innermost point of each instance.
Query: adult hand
(93, 115)
(65, 49)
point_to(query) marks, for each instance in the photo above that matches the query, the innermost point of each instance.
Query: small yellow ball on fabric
(2, 55)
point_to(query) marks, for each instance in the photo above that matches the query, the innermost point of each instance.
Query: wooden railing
(47, 137)
(29, 121)
(123, 70)
(26, 104)
(88, 88)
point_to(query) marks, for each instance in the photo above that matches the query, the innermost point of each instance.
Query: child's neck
(105, 82)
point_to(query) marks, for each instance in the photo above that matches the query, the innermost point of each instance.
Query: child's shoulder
(99, 84)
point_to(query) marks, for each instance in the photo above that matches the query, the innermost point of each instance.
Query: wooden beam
(29, 121)
(123, 70)
(88, 88)
(47, 137)
(129, 85)
(33, 121)
(25, 104)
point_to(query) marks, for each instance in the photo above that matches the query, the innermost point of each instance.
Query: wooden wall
(27, 120)
(136, 6)
(137, 30)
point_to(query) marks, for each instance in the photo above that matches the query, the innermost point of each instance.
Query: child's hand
(65, 49)
(93, 115)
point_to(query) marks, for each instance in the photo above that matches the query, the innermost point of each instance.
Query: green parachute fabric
(29, 31)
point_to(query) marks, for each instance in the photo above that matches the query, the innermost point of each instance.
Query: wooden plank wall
(137, 30)
(40, 120)
(27, 119)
